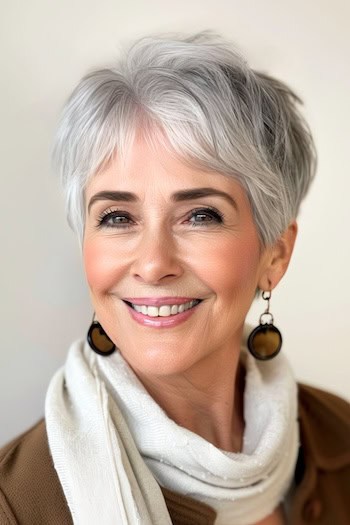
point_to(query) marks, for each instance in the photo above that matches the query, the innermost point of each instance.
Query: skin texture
(163, 249)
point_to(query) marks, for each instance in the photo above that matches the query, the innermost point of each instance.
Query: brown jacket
(31, 494)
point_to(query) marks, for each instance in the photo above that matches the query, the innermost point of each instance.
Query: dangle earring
(265, 341)
(99, 340)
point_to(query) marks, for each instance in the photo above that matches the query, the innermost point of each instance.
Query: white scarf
(112, 444)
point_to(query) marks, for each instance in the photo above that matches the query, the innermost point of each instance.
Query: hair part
(214, 112)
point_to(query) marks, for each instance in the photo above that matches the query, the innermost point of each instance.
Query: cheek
(246, 261)
(231, 266)
(101, 268)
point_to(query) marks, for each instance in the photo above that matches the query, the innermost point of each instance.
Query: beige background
(46, 46)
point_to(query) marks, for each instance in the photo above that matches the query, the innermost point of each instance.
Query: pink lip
(161, 322)
(158, 301)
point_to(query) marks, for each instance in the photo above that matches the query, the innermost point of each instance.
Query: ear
(277, 257)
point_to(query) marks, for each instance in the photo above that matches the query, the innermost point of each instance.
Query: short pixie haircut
(214, 112)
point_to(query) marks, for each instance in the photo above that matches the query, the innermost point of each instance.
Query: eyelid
(102, 218)
(105, 214)
(215, 213)
(108, 211)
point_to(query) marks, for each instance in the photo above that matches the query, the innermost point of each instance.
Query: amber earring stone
(265, 342)
(99, 340)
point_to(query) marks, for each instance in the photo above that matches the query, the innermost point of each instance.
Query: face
(158, 235)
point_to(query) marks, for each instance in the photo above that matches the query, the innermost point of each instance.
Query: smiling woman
(175, 234)
(164, 246)
(183, 171)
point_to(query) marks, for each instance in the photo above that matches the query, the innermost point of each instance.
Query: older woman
(183, 171)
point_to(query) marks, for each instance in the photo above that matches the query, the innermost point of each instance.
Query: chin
(159, 360)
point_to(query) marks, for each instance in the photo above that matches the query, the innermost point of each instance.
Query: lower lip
(161, 322)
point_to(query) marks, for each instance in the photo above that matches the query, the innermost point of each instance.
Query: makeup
(161, 322)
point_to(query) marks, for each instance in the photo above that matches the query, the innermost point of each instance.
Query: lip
(158, 301)
(161, 322)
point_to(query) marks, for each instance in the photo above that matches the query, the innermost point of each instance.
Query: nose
(156, 258)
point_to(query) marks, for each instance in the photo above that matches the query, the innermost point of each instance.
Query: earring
(99, 340)
(265, 341)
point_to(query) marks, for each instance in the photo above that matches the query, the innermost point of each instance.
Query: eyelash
(108, 214)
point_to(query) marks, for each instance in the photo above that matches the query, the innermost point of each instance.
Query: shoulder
(316, 397)
(325, 424)
(323, 469)
(31, 436)
(29, 486)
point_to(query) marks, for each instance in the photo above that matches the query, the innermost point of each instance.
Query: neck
(206, 400)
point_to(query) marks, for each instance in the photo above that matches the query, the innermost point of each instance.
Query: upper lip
(158, 301)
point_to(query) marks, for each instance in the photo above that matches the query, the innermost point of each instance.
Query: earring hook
(266, 295)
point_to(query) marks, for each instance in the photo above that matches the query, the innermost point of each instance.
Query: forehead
(154, 170)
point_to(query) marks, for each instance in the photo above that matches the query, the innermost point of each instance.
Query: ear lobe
(278, 259)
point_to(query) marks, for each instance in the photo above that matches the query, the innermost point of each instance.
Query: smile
(164, 315)
(164, 310)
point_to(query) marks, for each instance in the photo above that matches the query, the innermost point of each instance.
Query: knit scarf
(112, 445)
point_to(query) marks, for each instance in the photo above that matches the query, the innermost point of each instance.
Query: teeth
(152, 311)
(165, 310)
(137, 307)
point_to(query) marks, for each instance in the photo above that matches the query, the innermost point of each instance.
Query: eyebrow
(179, 196)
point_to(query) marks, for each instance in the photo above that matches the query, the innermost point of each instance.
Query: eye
(205, 217)
(113, 219)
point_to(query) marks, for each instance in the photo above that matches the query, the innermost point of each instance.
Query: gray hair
(213, 110)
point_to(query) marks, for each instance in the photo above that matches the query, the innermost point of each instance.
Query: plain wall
(46, 46)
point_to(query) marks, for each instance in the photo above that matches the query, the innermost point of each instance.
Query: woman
(183, 171)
